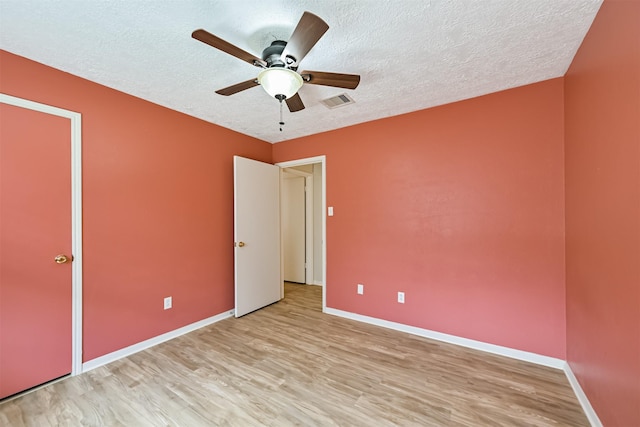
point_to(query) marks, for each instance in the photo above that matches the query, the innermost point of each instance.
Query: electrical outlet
(401, 297)
(168, 303)
(360, 289)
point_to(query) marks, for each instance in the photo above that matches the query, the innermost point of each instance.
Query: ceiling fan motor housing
(272, 55)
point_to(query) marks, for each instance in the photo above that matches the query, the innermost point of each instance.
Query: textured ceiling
(411, 54)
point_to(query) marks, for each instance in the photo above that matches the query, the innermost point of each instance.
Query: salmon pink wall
(157, 207)
(461, 207)
(602, 108)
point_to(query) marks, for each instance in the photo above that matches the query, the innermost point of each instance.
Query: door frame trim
(76, 217)
(323, 161)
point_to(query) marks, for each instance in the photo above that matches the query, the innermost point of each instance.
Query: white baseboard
(318, 283)
(452, 339)
(128, 351)
(582, 398)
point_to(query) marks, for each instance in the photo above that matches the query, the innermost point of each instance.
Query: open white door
(256, 234)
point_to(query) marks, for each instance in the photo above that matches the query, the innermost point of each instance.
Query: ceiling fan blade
(295, 103)
(239, 87)
(347, 81)
(307, 33)
(225, 46)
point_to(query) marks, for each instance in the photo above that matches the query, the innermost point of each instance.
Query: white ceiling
(411, 54)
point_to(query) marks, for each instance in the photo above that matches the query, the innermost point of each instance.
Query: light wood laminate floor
(290, 364)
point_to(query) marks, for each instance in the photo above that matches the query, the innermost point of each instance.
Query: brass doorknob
(240, 244)
(61, 259)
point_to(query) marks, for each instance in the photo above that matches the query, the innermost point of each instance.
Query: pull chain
(281, 122)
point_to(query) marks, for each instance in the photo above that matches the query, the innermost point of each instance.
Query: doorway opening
(303, 210)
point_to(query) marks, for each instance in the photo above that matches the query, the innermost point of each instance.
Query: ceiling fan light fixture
(280, 81)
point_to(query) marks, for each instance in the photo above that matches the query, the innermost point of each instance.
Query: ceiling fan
(279, 63)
